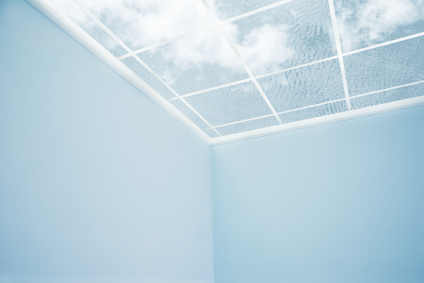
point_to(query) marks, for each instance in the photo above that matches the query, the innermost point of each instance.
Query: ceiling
(235, 69)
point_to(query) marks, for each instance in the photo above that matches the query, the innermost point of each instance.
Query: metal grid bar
(250, 13)
(339, 52)
(384, 43)
(387, 89)
(106, 29)
(166, 41)
(236, 51)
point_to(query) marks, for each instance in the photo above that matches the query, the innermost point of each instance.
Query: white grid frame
(115, 63)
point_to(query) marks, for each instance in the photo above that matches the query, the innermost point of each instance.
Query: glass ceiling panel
(230, 104)
(142, 23)
(195, 63)
(363, 23)
(314, 84)
(225, 9)
(384, 67)
(74, 13)
(291, 34)
(387, 96)
(290, 49)
(146, 76)
(312, 112)
(248, 126)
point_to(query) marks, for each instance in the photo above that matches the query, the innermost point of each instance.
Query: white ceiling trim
(85, 39)
(321, 120)
(319, 104)
(105, 28)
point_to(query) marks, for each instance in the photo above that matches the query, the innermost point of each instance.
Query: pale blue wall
(337, 203)
(97, 182)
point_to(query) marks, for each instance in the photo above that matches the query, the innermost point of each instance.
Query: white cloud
(266, 47)
(370, 22)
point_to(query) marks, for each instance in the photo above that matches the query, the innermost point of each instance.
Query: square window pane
(184, 109)
(195, 63)
(248, 125)
(142, 23)
(230, 104)
(146, 76)
(313, 112)
(387, 96)
(362, 23)
(384, 67)
(75, 14)
(304, 86)
(226, 9)
(289, 35)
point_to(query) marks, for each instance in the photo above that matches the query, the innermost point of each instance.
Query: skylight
(237, 69)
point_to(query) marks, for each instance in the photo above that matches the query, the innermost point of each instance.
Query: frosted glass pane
(195, 63)
(211, 133)
(74, 13)
(387, 96)
(184, 109)
(363, 23)
(305, 86)
(230, 8)
(230, 104)
(292, 34)
(143, 23)
(248, 126)
(146, 76)
(317, 111)
(384, 67)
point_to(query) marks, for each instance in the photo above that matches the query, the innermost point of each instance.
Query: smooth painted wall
(97, 182)
(342, 202)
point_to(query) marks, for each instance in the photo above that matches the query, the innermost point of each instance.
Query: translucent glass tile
(384, 67)
(230, 8)
(313, 112)
(289, 35)
(195, 63)
(142, 23)
(146, 76)
(230, 104)
(248, 125)
(304, 86)
(362, 23)
(74, 13)
(387, 96)
(211, 133)
(184, 109)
